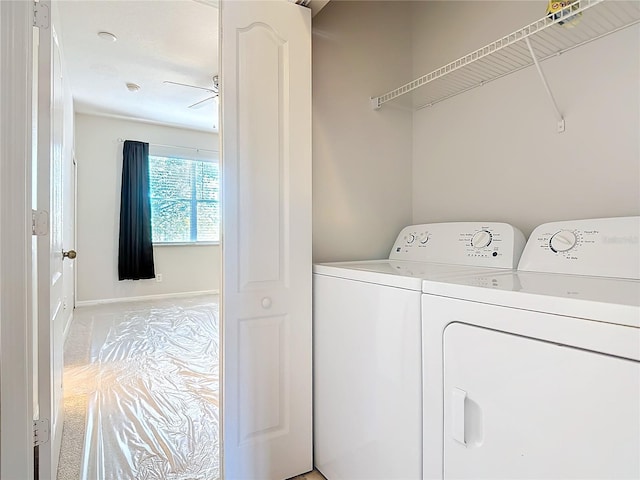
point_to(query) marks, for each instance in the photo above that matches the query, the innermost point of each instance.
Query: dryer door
(522, 408)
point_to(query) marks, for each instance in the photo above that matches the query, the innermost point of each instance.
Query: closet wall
(493, 153)
(361, 157)
(190, 268)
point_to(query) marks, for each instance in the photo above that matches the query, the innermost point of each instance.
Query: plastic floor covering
(150, 379)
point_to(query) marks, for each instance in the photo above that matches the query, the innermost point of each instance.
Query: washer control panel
(605, 247)
(460, 243)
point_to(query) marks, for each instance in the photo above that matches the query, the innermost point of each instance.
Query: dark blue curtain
(135, 252)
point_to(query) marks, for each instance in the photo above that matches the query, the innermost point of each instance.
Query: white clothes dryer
(367, 345)
(536, 373)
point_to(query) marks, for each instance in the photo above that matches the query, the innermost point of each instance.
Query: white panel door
(266, 214)
(49, 247)
(522, 408)
(68, 209)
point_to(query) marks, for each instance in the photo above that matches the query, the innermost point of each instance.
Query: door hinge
(40, 431)
(39, 222)
(40, 15)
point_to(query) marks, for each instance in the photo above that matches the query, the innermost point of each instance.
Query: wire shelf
(577, 24)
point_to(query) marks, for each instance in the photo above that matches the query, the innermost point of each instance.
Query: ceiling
(157, 41)
(172, 40)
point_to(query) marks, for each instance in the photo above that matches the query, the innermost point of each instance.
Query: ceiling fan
(215, 90)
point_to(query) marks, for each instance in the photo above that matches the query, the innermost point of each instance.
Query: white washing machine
(536, 373)
(367, 345)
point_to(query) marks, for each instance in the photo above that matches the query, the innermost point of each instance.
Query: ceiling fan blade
(202, 103)
(190, 86)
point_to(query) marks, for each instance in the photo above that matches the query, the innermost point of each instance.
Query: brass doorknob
(71, 254)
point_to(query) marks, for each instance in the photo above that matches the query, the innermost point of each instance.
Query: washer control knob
(424, 237)
(411, 238)
(481, 239)
(563, 241)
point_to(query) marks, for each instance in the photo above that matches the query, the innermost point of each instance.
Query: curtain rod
(177, 146)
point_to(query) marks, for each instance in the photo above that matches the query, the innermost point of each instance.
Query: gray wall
(361, 157)
(493, 153)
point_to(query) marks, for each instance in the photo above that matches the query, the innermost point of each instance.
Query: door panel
(266, 215)
(50, 279)
(68, 205)
(57, 309)
(262, 156)
(522, 408)
(263, 374)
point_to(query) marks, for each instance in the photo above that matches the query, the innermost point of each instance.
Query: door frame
(16, 369)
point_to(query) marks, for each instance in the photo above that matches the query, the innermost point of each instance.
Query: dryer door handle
(458, 398)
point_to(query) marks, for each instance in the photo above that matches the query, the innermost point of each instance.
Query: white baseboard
(103, 301)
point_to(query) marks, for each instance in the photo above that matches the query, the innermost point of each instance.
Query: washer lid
(610, 300)
(394, 273)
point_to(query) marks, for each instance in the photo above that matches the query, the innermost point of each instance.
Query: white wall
(361, 157)
(99, 158)
(493, 153)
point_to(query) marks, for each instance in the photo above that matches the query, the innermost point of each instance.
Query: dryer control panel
(487, 244)
(604, 247)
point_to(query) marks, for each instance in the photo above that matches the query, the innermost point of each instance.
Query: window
(184, 200)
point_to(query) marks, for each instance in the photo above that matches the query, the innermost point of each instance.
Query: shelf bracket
(546, 87)
(375, 103)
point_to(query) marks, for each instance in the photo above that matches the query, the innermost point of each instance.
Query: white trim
(104, 301)
(83, 110)
(187, 244)
(16, 320)
(161, 147)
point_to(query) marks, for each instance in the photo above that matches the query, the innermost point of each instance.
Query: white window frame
(184, 153)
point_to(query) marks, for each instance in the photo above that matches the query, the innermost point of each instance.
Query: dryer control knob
(481, 239)
(563, 241)
(424, 237)
(411, 238)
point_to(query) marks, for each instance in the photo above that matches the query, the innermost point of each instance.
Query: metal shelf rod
(479, 83)
(510, 54)
(546, 87)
